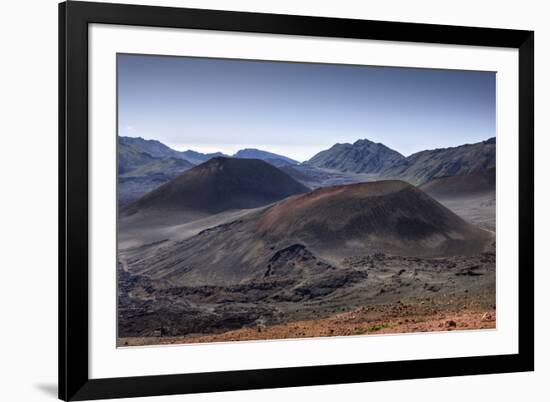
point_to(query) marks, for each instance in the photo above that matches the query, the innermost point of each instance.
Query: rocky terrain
(258, 246)
(313, 255)
(374, 320)
(393, 290)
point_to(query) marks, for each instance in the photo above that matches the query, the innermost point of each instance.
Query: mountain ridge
(140, 172)
(363, 156)
(367, 157)
(147, 164)
(426, 165)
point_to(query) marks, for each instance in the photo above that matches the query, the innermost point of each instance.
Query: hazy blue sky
(299, 109)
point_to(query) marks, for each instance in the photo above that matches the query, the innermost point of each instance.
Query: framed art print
(257, 200)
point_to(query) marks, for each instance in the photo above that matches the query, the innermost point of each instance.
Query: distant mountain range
(154, 148)
(365, 156)
(269, 157)
(146, 164)
(197, 158)
(157, 149)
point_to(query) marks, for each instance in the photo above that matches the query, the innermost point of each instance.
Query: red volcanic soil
(315, 199)
(386, 216)
(376, 320)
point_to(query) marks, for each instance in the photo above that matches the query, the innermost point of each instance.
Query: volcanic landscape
(358, 240)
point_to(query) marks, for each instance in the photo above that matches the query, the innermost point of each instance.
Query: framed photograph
(257, 201)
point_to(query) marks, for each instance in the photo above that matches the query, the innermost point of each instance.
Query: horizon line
(239, 147)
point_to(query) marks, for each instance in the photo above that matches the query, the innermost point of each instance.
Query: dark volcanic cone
(218, 185)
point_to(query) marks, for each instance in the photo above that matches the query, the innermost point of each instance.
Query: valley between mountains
(358, 240)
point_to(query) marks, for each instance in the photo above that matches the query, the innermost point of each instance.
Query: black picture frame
(74, 381)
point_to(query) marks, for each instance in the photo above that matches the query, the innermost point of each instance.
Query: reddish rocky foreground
(363, 321)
